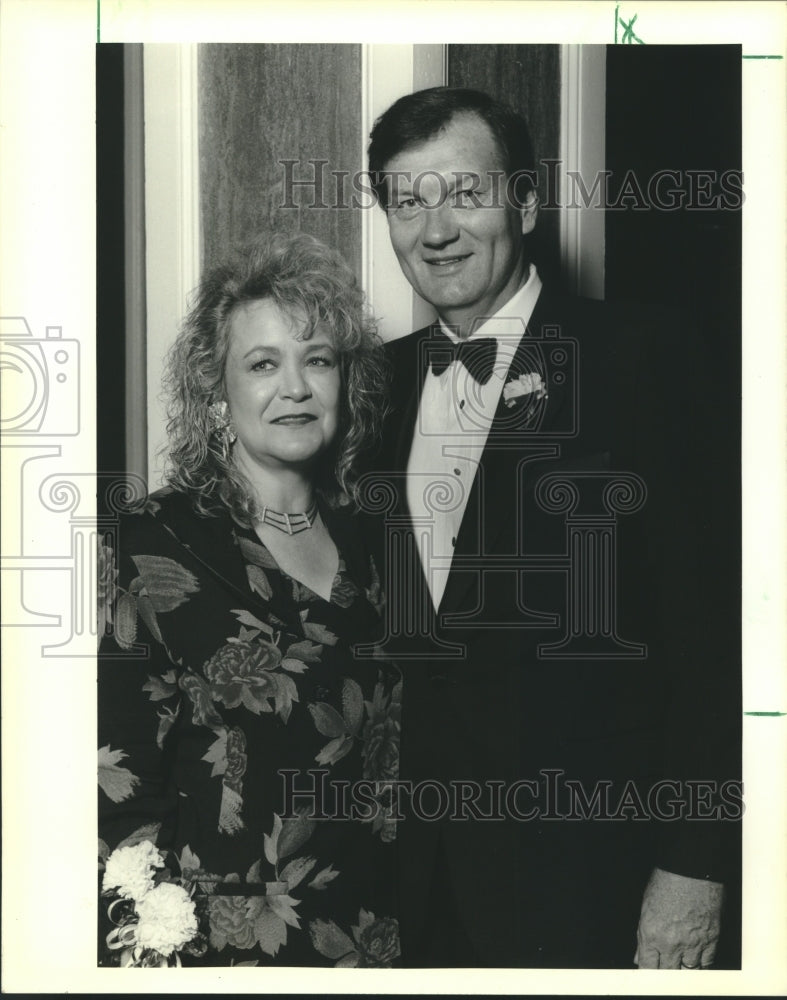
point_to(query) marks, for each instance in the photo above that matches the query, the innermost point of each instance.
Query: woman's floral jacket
(240, 731)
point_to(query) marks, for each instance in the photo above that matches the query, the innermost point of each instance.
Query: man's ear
(529, 212)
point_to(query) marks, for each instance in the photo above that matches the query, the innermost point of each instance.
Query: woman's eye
(321, 361)
(263, 365)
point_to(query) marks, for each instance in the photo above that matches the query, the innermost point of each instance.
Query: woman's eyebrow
(262, 347)
(313, 344)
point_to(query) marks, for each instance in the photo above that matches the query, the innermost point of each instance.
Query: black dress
(241, 733)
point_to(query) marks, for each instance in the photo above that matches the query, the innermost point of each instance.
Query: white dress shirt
(451, 429)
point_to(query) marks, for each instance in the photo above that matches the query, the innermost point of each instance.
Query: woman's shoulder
(165, 517)
(161, 502)
(150, 514)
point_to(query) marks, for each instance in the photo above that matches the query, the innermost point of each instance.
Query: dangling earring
(222, 426)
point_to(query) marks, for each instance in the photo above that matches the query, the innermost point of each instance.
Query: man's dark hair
(415, 118)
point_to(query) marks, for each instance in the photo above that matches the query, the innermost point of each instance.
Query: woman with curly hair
(247, 746)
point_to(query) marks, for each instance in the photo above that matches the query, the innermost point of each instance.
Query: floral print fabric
(235, 723)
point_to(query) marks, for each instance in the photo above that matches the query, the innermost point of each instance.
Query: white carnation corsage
(516, 390)
(153, 919)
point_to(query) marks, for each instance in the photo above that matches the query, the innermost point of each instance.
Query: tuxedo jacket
(586, 643)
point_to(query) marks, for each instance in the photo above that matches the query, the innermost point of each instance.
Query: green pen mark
(628, 36)
(98, 22)
(766, 713)
(762, 57)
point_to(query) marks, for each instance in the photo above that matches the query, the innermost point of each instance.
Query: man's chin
(443, 297)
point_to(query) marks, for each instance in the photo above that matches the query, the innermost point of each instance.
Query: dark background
(110, 262)
(679, 107)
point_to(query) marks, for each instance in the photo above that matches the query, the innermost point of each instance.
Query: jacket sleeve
(685, 428)
(139, 701)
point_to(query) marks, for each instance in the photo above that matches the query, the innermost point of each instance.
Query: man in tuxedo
(548, 538)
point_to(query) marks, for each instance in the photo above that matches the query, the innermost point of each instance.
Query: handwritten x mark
(628, 29)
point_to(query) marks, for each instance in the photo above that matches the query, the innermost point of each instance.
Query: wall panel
(527, 77)
(259, 105)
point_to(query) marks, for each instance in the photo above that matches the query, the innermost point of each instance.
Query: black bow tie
(478, 356)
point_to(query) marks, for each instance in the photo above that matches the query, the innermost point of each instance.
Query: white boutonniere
(517, 389)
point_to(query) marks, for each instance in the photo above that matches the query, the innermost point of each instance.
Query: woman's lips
(295, 419)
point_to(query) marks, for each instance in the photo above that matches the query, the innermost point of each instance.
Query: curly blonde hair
(304, 277)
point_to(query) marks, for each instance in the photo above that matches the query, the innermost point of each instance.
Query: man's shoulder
(403, 355)
(581, 312)
(626, 328)
(402, 346)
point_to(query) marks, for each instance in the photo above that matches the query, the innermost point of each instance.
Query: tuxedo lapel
(519, 430)
(409, 374)
(527, 427)
(535, 354)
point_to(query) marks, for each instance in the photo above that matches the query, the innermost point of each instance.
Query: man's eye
(467, 198)
(407, 207)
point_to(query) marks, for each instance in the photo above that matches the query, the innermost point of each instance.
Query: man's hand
(679, 922)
